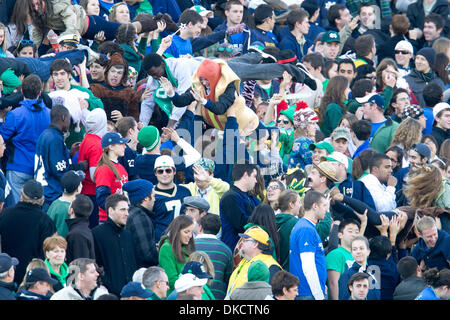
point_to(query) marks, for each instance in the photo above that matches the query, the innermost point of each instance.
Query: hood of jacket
(96, 122)
(33, 104)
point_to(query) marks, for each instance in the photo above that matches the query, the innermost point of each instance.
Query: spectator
(155, 280)
(284, 286)
(346, 68)
(139, 222)
(264, 16)
(59, 209)
(134, 291)
(358, 286)
(403, 54)
(91, 150)
(417, 12)
(109, 174)
(332, 41)
(196, 208)
(7, 272)
(38, 285)
(432, 28)
(237, 204)
(360, 135)
(175, 246)
(257, 287)
(219, 253)
(441, 132)
(55, 255)
(412, 283)
(127, 127)
(438, 283)
(295, 39)
(19, 130)
(52, 157)
(189, 283)
(432, 250)
(80, 241)
(398, 28)
(307, 256)
(254, 245)
(82, 283)
(118, 260)
(24, 227)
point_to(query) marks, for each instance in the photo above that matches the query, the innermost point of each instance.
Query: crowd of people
(224, 150)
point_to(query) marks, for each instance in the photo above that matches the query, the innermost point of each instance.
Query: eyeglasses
(274, 187)
(163, 281)
(283, 121)
(402, 52)
(161, 171)
(222, 49)
(247, 240)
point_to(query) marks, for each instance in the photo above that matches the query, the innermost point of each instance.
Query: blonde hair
(205, 260)
(35, 263)
(3, 45)
(422, 190)
(112, 11)
(27, 199)
(408, 133)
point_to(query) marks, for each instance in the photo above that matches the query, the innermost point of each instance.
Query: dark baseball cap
(197, 269)
(135, 289)
(33, 189)
(39, 274)
(6, 262)
(113, 138)
(331, 36)
(71, 180)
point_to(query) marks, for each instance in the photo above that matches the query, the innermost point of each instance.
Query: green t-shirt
(339, 260)
(59, 212)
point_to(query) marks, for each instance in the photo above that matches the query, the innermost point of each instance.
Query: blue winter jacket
(21, 128)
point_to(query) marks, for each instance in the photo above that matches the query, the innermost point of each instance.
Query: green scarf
(427, 77)
(64, 272)
(160, 95)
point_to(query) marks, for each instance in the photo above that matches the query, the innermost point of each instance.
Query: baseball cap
(257, 234)
(164, 161)
(341, 133)
(71, 180)
(331, 36)
(187, 281)
(197, 269)
(322, 145)
(404, 45)
(372, 97)
(337, 156)
(112, 138)
(39, 274)
(135, 289)
(422, 149)
(440, 107)
(33, 189)
(6, 262)
(202, 11)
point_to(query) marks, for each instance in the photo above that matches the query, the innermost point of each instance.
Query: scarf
(160, 95)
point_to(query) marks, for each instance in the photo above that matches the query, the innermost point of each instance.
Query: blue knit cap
(138, 189)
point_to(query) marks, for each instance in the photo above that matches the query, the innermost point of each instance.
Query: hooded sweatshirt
(22, 126)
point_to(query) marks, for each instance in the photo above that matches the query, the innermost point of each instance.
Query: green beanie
(149, 137)
(289, 112)
(258, 271)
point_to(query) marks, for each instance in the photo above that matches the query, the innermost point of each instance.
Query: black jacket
(23, 229)
(440, 135)
(80, 241)
(114, 250)
(409, 288)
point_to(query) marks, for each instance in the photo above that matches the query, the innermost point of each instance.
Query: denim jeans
(16, 180)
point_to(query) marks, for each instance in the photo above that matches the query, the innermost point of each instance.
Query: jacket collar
(76, 221)
(113, 225)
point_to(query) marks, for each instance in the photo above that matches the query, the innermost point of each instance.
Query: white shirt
(383, 197)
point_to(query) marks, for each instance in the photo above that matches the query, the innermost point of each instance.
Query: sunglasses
(25, 42)
(401, 52)
(283, 121)
(222, 49)
(274, 187)
(161, 171)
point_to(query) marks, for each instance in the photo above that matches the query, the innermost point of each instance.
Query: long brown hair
(106, 162)
(423, 189)
(334, 93)
(407, 134)
(172, 233)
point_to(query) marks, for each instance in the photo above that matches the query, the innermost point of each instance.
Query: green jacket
(331, 118)
(285, 222)
(383, 137)
(170, 264)
(134, 58)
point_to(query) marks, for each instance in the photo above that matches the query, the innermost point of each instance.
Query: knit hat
(429, 54)
(149, 137)
(322, 145)
(440, 107)
(258, 271)
(289, 113)
(207, 164)
(257, 234)
(412, 111)
(138, 189)
(303, 116)
(96, 122)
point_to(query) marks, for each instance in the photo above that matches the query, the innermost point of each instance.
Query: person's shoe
(309, 80)
(147, 21)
